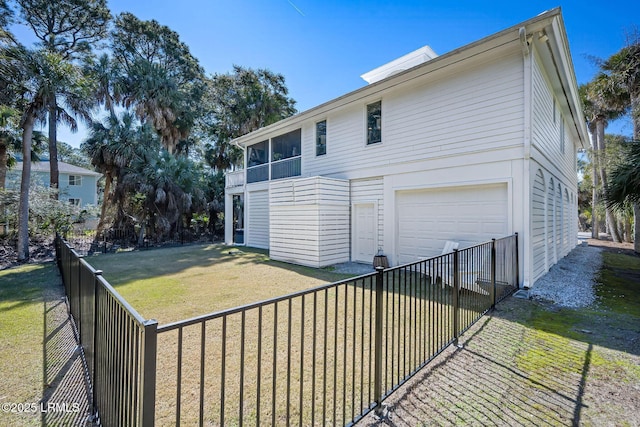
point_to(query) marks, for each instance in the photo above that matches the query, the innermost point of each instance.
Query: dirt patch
(41, 249)
(609, 245)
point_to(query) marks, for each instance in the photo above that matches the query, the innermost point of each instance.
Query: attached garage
(427, 218)
(258, 219)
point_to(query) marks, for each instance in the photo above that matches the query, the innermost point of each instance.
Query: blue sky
(322, 47)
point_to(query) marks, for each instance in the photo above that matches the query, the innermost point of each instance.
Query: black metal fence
(119, 345)
(327, 355)
(87, 242)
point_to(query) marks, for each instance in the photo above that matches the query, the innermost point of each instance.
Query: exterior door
(365, 232)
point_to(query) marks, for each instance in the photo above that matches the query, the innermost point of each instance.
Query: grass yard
(39, 364)
(177, 283)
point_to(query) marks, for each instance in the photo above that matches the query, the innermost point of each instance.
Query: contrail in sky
(296, 7)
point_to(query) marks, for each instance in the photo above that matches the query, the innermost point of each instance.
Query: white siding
(257, 228)
(477, 109)
(538, 228)
(554, 151)
(552, 256)
(309, 221)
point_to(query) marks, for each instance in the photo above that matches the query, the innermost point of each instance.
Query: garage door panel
(469, 215)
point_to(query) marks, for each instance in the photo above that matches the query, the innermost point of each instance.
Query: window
(75, 180)
(285, 146)
(74, 202)
(257, 154)
(321, 138)
(374, 122)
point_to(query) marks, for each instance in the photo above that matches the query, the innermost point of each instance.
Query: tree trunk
(636, 233)
(23, 209)
(595, 223)
(3, 165)
(3, 181)
(103, 211)
(612, 223)
(628, 229)
(54, 174)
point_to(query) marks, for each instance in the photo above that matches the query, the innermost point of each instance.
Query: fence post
(148, 380)
(517, 264)
(379, 409)
(456, 292)
(493, 274)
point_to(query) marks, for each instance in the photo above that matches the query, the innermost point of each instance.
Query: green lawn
(22, 315)
(177, 283)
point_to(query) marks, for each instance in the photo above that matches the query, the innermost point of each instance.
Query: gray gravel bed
(570, 282)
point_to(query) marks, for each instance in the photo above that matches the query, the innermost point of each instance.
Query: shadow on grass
(66, 394)
(487, 382)
(533, 363)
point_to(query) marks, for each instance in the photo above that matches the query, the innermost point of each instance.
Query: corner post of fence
(517, 262)
(456, 295)
(148, 371)
(379, 409)
(493, 274)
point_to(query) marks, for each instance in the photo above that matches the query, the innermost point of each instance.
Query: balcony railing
(286, 168)
(258, 173)
(234, 179)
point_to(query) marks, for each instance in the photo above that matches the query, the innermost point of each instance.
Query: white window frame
(325, 137)
(366, 123)
(77, 180)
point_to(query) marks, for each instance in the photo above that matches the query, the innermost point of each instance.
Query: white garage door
(258, 219)
(468, 215)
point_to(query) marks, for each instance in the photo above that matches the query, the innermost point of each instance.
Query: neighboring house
(478, 143)
(77, 185)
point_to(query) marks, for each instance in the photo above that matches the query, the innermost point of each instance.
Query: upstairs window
(374, 123)
(257, 154)
(75, 180)
(286, 146)
(321, 138)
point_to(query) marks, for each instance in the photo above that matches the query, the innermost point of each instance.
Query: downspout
(524, 242)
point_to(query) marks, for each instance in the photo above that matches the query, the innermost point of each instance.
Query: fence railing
(327, 355)
(119, 346)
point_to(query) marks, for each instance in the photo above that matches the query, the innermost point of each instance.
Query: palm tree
(9, 138)
(67, 28)
(624, 183)
(602, 103)
(112, 146)
(624, 70)
(108, 81)
(24, 78)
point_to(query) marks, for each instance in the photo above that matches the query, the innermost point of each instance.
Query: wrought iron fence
(327, 355)
(119, 346)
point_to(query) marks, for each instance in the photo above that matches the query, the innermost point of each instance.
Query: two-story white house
(475, 144)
